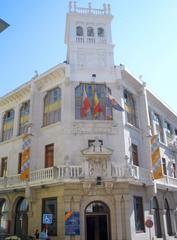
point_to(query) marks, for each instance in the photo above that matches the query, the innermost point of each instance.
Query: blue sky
(144, 34)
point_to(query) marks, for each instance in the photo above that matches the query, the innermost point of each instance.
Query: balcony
(67, 173)
(132, 172)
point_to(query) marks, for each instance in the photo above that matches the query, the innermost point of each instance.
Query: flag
(85, 104)
(97, 106)
(156, 158)
(112, 102)
(26, 151)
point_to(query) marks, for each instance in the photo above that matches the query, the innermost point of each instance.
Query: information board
(72, 223)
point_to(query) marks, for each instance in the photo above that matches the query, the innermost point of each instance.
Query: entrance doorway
(21, 218)
(97, 220)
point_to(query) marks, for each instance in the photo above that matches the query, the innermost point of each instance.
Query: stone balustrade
(76, 173)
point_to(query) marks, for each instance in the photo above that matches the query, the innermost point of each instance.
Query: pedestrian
(36, 234)
(43, 235)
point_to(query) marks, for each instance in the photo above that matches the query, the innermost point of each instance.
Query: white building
(99, 165)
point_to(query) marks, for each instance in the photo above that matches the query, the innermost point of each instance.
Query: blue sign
(72, 224)
(47, 218)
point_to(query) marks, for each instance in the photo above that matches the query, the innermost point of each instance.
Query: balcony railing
(132, 171)
(71, 173)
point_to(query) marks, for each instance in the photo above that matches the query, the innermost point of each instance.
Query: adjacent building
(89, 162)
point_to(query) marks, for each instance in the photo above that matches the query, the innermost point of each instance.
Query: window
(90, 142)
(158, 125)
(95, 97)
(135, 155)
(175, 132)
(52, 106)
(168, 218)
(157, 223)
(174, 170)
(164, 166)
(4, 167)
(169, 131)
(100, 32)
(19, 162)
(24, 117)
(49, 205)
(79, 31)
(8, 122)
(49, 155)
(139, 214)
(129, 105)
(3, 216)
(90, 32)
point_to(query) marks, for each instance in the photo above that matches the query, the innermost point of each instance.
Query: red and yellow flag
(97, 106)
(85, 109)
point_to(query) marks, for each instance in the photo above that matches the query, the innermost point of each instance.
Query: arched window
(91, 102)
(24, 117)
(7, 127)
(3, 216)
(52, 106)
(90, 32)
(157, 223)
(79, 31)
(168, 218)
(21, 217)
(129, 104)
(97, 221)
(100, 32)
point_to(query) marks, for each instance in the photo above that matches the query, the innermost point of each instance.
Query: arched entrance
(157, 222)
(3, 216)
(97, 221)
(21, 217)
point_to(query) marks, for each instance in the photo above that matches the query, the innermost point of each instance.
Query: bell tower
(89, 41)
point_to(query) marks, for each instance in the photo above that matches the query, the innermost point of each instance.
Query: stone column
(173, 220)
(1, 122)
(118, 212)
(128, 203)
(163, 223)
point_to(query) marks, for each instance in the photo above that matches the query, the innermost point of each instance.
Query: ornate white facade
(103, 172)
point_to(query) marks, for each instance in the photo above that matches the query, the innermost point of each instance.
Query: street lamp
(3, 25)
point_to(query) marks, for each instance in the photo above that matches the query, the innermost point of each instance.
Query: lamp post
(3, 25)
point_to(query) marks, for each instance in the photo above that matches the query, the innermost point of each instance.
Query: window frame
(7, 134)
(49, 148)
(135, 152)
(130, 107)
(24, 111)
(141, 214)
(79, 27)
(51, 116)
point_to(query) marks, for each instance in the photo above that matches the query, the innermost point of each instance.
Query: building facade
(89, 160)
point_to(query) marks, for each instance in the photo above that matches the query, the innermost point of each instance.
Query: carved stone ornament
(109, 187)
(87, 187)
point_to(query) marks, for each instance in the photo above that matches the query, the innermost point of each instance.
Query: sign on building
(72, 223)
(47, 218)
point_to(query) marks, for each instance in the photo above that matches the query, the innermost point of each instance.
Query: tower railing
(106, 10)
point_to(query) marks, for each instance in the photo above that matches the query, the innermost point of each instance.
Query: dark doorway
(97, 221)
(21, 218)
